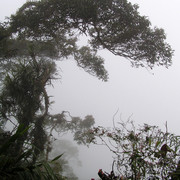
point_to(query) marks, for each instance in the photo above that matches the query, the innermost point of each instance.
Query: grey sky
(152, 97)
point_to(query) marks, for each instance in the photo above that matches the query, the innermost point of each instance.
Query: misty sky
(150, 96)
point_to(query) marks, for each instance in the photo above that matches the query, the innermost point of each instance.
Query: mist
(144, 95)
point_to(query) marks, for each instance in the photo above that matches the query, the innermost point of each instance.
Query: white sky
(152, 99)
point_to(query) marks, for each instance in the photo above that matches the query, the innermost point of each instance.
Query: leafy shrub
(21, 166)
(145, 152)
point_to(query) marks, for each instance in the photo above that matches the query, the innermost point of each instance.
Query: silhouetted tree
(53, 27)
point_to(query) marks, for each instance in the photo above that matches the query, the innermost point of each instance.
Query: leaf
(150, 142)
(25, 155)
(20, 131)
(57, 157)
(157, 144)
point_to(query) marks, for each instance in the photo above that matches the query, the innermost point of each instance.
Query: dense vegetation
(144, 152)
(42, 32)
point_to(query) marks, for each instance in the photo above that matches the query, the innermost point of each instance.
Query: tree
(47, 30)
(114, 25)
(24, 100)
(145, 152)
(77, 126)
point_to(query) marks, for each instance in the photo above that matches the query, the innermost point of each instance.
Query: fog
(148, 96)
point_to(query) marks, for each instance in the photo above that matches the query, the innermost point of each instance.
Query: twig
(114, 118)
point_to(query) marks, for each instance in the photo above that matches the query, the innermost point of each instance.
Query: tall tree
(115, 25)
(24, 98)
(47, 30)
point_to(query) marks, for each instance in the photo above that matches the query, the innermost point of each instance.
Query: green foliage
(91, 63)
(47, 30)
(144, 152)
(21, 166)
(114, 25)
(20, 131)
(23, 100)
(52, 28)
(75, 125)
(4, 42)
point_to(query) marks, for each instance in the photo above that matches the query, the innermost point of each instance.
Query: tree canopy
(54, 26)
